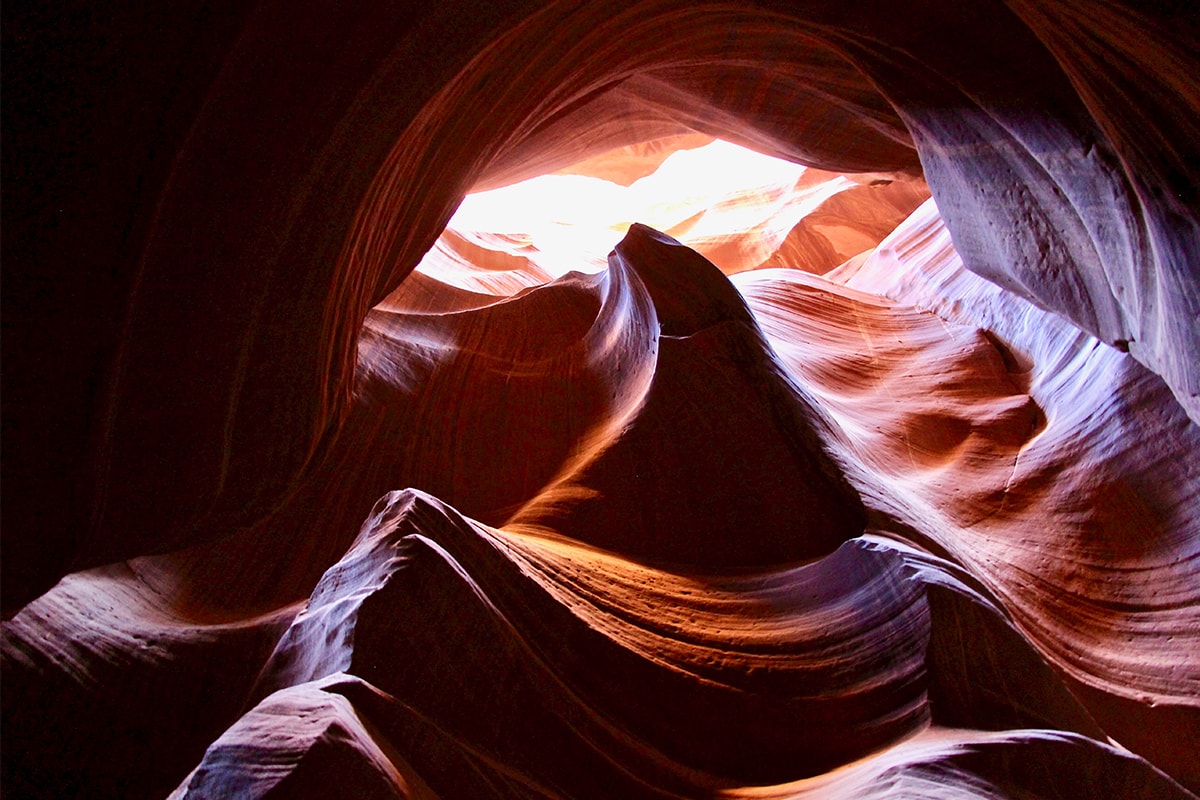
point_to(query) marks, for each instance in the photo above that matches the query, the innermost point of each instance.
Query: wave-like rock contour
(774, 536)
(848, 513)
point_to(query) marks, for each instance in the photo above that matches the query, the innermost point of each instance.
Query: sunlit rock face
(793, 481)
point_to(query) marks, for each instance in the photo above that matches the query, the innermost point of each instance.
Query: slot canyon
(603, 399)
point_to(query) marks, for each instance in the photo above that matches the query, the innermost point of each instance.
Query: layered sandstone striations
(818, 504)
(741, 535)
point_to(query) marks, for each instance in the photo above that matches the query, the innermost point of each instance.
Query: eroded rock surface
(828, 506)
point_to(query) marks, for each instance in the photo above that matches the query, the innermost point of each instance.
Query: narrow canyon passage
(604, 400)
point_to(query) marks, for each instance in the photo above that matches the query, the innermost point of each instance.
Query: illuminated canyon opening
(871, 478)
(740, 209)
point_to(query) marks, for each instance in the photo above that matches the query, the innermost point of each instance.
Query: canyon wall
(278, 520)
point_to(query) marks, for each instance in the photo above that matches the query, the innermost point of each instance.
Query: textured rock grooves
(831, 508)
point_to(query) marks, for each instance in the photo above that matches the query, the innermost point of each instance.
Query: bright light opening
(735, 206)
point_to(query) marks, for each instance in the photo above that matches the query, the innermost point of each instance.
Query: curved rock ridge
(1133, 555)
(767, 535)
(517, 389)
(1122, 610)
(111, 689)
(239, 244)
(849, 224)
(570, 671)
(559, 394)
(304, 741)
(723, 442)
(906, 514)
(586, 634)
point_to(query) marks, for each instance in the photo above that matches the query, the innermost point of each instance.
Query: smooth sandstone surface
(881, 479)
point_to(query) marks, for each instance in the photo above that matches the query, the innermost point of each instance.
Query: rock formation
(304, 497)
